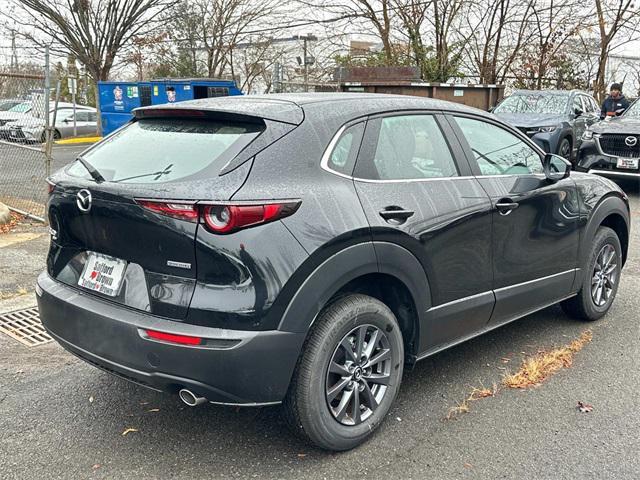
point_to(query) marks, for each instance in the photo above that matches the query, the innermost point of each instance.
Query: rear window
(162, 150)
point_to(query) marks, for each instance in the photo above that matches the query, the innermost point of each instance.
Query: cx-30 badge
(631, 141)
(83, 200)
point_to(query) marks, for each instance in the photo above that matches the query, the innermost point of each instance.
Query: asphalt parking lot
(61, 418)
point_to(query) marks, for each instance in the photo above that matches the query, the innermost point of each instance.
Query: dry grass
(18, 293)
(475, 395)
(535, 369)
(16, 218)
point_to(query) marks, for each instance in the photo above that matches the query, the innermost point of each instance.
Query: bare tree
(93, 31)
(412, 14)
(217, 27)
(444, 15)
(494, 32)
(614, 17)
(376, 17)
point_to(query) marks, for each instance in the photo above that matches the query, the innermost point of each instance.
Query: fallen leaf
(505, 360)
(144, 403)
(302, 455)
(398, 419)
(153, 410)
(129, 430)
(90, 399)
(468, 465)
(96, 466)
(584, 407)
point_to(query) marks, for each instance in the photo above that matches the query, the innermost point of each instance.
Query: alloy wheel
(358, 374)
(605, 275)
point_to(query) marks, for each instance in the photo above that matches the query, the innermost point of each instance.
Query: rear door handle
(505, 206)
(397, 215)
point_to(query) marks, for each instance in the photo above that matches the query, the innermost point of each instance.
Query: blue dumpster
(118, 99)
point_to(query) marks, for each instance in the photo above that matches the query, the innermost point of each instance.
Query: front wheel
(348, 375)
(601, 278)
(564, 149)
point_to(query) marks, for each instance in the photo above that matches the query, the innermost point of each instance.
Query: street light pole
(306, 65)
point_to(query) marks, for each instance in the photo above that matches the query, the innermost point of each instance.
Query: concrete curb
(77, 140)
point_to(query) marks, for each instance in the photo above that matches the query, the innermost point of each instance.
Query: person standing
(615, 104)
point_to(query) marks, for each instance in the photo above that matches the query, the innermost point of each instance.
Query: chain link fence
(24, 157)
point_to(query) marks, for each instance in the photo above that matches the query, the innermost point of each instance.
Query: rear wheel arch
(381, 270)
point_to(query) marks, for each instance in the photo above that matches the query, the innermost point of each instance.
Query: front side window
(82, 116)
(497, 151)
(409, 147)
(577, 104)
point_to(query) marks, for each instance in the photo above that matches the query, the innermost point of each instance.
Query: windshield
(162, 150)
(533, 103)
(21, 108)
(7, 104)
(633, 111)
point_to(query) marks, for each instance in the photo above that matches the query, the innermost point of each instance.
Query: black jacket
(618, 105)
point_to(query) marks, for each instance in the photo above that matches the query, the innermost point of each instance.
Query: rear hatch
(127, 233)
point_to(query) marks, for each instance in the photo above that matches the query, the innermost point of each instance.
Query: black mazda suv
(303, 249)
(612, 147)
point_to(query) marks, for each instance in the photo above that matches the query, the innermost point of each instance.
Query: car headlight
(548, 129)
(587, 135)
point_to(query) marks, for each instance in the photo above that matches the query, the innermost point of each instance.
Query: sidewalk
(23, 253)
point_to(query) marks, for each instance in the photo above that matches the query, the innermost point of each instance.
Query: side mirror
(577, 112)
(66, 120)
(555, 167)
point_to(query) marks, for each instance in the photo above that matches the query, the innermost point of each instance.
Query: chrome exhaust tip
(190, 398)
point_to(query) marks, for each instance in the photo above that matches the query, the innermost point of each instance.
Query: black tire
(584, 306)
(56, 135)
(565, 148)
(307, 407)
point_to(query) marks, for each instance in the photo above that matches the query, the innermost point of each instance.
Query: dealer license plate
(103, 274)
(629, 163)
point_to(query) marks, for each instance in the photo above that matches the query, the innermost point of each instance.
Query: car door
(91, 127)
(417, 191)
(64, 123)
(535, 221)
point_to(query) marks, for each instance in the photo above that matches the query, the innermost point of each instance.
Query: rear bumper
(233, 367)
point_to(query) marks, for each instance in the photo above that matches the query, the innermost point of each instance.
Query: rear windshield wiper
(95, 174)
(166, 171)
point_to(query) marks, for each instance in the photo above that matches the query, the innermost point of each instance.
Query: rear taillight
(230, 218)
(179, 210)
(223, 218)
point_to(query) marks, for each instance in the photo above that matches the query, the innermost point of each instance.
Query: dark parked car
(555, 120)
(612, 147)
(305, 248)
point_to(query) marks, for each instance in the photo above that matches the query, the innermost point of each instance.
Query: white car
(16, 112)
(32, 129)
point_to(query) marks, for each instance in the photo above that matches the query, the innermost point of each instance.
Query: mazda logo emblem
(631, 141)
(83, 200)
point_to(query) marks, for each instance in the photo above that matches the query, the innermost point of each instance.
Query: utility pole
(306, 65)
(14, 52)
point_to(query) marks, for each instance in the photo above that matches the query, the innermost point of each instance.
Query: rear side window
(409, 147)
(162, 150)
(344, 153)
